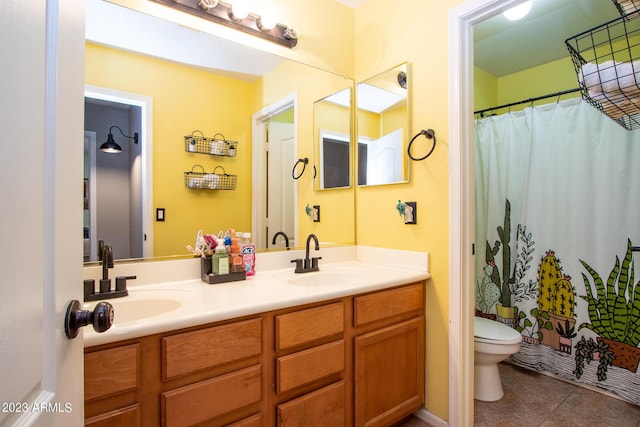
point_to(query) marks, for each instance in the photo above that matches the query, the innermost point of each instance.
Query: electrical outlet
(316, 218)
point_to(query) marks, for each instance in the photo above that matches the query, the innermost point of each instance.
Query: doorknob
(101, 318)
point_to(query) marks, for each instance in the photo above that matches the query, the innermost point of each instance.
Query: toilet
(492, 343)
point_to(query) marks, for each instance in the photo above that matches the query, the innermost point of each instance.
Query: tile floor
(532, 399)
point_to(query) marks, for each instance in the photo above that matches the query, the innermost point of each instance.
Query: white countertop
(196, 302)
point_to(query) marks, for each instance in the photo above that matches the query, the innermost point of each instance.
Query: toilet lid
(495, 331)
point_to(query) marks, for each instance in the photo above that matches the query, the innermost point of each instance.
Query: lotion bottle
(220, 259)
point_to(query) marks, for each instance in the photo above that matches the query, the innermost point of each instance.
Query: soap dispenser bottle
(235, 257)
(220, 259)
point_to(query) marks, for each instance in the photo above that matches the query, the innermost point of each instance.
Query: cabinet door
(389, 373)
(129, 416)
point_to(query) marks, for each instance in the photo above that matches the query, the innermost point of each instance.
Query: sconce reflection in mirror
(304, 163)
(111, 146)
(429, 134)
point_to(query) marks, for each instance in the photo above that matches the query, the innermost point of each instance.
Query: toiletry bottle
(248, 255)
(235, 257)
(220, 259)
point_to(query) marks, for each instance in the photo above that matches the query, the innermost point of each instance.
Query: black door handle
(101, 318)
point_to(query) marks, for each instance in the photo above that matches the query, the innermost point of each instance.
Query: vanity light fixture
(237, 16)
(111, 146)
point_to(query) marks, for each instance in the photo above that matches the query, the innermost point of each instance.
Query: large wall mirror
(203, 86)
(383, 126)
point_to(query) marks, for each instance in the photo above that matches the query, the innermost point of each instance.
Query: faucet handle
(121, 283)
(314, 262)
(299, 265)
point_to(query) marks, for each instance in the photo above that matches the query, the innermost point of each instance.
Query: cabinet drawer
(129, 416)
(386, 304)
(308, 325)
(111, 371)
(322, 408)
(205, 400)
(252, 421)
(309, 365)
(190, 352)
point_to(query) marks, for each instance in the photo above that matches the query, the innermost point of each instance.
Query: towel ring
(304, 166)
(429, 134)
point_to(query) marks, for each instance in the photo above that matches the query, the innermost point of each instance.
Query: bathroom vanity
(337, 352)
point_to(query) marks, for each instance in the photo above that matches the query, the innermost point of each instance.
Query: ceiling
(503, 47)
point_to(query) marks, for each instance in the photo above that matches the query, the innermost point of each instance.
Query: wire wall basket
(627, 6)
(209, 181)
(607, 62)
(217, 146)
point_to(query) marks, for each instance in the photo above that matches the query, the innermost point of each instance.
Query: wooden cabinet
(389, 361)
(351, 361)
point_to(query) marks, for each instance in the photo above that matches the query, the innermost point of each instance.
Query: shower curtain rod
(526, 101)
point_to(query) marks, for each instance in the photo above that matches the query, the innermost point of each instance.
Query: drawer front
(308, 325)
(190, 352)
(386, 304)
(205, 400)
(111, 371)
(129, 416)
(322, 408)
(252, 421)
(309, 365)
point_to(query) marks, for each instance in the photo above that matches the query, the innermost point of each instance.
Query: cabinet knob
(101, 318)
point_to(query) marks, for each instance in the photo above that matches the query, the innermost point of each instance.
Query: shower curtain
(557, 224)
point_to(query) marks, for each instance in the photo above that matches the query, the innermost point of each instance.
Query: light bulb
(266, 22)
(239, 10)
(518, 12)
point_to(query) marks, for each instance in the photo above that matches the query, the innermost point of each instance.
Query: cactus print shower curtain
(557, 228)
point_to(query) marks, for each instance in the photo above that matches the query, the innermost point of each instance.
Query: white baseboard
(430, 418)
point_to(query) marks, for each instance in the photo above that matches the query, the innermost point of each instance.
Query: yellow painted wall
(552, 77)
(185, 99)
(387, 35)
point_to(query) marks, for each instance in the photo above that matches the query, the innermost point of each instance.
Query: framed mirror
(217, 87)
(383, 127)
(332, 149)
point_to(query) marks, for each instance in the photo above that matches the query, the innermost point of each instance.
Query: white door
(280, 188)
(42, 45)
(384, 159)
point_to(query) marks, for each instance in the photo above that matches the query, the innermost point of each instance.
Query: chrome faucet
(283, 234)
(308, 264)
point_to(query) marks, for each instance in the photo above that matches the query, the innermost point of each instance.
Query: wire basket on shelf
(217, 146)
(627, 6)
(209, 181)
(607, 62)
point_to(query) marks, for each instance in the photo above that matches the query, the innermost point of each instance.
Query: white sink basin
(143, 304)
(329, 278)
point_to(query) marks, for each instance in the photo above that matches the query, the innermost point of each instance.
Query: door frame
(258, 166)
(462, 18)
(146, 140)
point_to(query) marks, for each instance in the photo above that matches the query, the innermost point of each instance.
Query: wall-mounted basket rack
(607, 62)
(627, 6)
(209, 181)
(216, 146)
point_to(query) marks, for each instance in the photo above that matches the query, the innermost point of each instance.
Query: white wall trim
(461, 199)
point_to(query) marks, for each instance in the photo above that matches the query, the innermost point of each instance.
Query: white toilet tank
(490, 331)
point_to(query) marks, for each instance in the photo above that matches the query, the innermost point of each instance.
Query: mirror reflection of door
(280, 186)
(117, 185)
